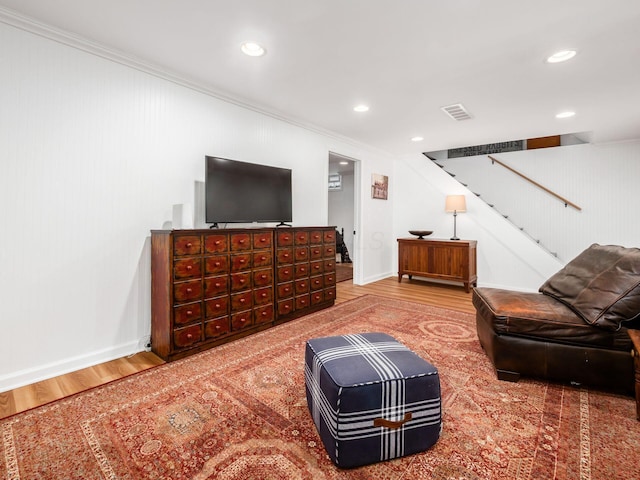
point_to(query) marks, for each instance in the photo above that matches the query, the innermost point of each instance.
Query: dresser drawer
(262, 259)
(240, 241)
(315, 237)
(285, 307)
(316, 252)
(186, 245)
(329, 279)
(330, 293)
(262, 278)
(301, 237)
(301, 270)
(240, 281)
(216, 286)
(241, 320)
(188, 313)
(184, 292)
(329, 236)
(301, 254)
(216, 264)
(284, 256)
(217, 327)
(262, 240)
(285, 274)
(240, 262)
(284, 238)
(317, 297)
(216, 307)
(301, 286)
(316, 283)
(330, 251)
(241, 301)
(216, 243)
(285, 290)
(187, 336)
(330, 265)
(187, 268)
(263, 296)
(316, 267)
(263, 314)
(302, 302)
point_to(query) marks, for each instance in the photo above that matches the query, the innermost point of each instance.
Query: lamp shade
(455, 203)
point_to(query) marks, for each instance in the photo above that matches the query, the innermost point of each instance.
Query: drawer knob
(263, 258)
(217, 264)
(217, 242)
(242, 240)
(287, 290)
(303, 253)
(264, 314)
(189, 290)
(243, 320)
(189, 267)
(242, 300)
(287, 307)
(262, 239)
(218, 305)
(242, 260)
(189, 245)
(218, 327)
(189, 313)
(189, 336)
(217, 285)
(302, 302)
(264, 295)
(302, 285)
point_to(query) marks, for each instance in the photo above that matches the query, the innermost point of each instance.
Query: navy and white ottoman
(371, 398)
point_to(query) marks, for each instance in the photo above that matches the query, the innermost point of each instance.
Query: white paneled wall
(94, 155)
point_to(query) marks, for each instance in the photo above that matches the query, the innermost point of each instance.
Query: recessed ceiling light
(567, 114)
(417, 139)
(561, 56)
(361, 108)
(344, 162)
(252, 49)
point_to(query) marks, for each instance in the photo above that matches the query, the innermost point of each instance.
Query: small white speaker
(182, 216)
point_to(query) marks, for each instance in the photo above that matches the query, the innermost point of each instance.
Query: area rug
(239, 412)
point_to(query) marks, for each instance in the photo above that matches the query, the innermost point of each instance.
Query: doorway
(342, 212)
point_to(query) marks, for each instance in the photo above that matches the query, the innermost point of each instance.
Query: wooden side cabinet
(451, 260)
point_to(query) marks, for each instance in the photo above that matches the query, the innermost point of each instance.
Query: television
(241, 192)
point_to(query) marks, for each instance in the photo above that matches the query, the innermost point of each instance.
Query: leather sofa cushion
(602, 285)
(541, 317)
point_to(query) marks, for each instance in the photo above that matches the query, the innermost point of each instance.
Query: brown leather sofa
(574, 329)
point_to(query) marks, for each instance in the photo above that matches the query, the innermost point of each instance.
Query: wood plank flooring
(30, 396)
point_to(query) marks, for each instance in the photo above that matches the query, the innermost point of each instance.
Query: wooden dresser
(209, 287)
(452, 260)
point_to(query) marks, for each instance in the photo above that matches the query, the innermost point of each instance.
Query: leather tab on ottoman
(371, 398)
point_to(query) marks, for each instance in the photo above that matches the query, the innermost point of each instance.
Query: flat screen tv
(241, 192)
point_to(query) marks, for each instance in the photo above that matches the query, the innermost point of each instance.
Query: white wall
(94, 155)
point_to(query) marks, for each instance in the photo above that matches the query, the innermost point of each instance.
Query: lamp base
(454, 238)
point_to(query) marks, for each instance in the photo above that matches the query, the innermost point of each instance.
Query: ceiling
(405, 59)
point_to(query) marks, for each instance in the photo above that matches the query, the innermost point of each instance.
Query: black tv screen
(241, 192)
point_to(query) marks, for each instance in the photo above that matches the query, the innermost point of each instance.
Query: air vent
(457, 112)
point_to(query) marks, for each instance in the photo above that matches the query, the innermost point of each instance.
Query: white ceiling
(404, 58)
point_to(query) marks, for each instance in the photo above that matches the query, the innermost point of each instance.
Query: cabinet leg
(399, 277)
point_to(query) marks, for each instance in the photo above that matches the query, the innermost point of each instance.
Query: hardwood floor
(30, 396)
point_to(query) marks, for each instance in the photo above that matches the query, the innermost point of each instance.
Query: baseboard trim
(50, 370)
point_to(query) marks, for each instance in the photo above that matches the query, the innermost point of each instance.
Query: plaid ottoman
(371, 398)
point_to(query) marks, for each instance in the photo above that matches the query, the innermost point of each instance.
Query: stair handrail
(562, 199)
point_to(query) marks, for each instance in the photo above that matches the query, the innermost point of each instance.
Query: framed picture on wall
(379, 186)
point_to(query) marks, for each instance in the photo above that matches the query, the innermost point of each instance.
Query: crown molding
(31, 25)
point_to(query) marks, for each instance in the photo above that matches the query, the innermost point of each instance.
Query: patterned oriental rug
(239, 412)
